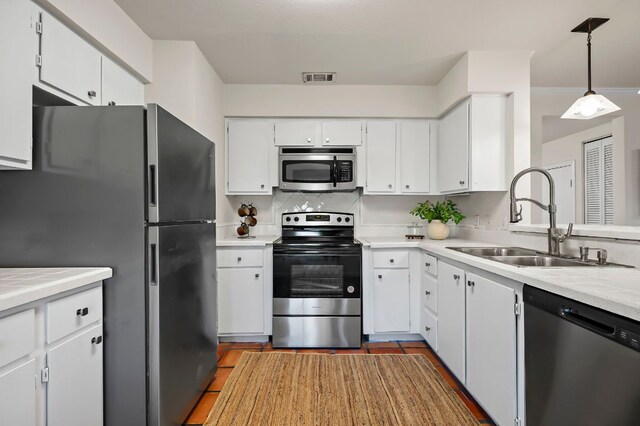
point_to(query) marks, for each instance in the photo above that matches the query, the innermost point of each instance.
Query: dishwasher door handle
(587, 322)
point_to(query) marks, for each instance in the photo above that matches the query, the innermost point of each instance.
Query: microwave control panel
(345, 171)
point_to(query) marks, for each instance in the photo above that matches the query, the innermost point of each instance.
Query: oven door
(317, 274)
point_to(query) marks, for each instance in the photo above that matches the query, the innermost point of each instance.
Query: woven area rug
(313, 389)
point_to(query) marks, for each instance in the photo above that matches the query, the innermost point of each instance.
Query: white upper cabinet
(472, 146)
(381, 157)
(17, 28)
(342, 132)
(297, 132)
(491, 367)
(69, 63)
(249, 146)
(415, 157)
(119, 87)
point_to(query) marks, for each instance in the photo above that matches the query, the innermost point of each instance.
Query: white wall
(186, 85)
(290, 100)
(554, 102)
(105, 24)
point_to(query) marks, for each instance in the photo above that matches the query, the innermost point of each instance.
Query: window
(598, 181)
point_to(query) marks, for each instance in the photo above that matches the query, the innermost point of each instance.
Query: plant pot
(436, 230)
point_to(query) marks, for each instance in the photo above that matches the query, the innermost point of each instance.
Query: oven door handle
(348, 252)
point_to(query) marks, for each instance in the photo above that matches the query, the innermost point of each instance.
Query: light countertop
(613, 289)
(258, 241)
(24, 285)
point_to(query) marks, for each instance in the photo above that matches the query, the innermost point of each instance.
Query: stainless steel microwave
(317, 169)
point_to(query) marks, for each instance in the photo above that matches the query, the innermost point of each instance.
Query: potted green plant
(437, 215)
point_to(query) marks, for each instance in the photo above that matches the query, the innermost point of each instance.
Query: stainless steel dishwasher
(582, 364)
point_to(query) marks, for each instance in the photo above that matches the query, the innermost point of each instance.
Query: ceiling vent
(319, 77)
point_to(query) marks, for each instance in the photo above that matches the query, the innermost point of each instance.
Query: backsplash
(291, 202)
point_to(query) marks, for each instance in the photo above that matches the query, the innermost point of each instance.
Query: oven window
(316, 280)
(307, 171)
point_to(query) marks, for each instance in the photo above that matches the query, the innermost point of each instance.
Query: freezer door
(180, 170)
(182, 318)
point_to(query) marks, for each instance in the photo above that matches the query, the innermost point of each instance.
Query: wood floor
(229, 354)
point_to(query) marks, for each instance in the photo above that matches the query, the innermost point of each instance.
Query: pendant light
(590, 105)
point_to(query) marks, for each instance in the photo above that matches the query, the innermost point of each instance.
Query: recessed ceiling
(412, 42)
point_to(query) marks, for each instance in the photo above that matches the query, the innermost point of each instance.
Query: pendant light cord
(589, 91)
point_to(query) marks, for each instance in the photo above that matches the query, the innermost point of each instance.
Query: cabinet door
(15, 83)
(429, 328)
(248, 147)
(451, 317)
(74, 391)
(119, 87)
(381, 157)
(391, 300)
(18, 395)
(69, 63)
(241, 301)
(453, 150)
(342, 132)
(296, 133)
(491, 367)
(414, 157)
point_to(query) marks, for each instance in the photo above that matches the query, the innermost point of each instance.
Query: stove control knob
(347, 219)
(296, 218)
(288, 219)
(339, 219)
(350, 289)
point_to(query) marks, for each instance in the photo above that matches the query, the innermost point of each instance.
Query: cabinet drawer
(236, 258)
(429, 328)
(17, 336)
(429, 294)
(71, 313)
(390, 259)
(430, 264)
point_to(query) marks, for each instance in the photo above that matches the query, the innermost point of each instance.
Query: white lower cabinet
(18, 395)
(391, 300)
(74, 390)
(451, 318)
(429, 328)
(241, 301)
(491, 347)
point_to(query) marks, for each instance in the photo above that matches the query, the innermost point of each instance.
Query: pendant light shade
(590, 105)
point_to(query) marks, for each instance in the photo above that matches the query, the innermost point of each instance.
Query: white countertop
(24, 285)
(613, 289)
(258, 241)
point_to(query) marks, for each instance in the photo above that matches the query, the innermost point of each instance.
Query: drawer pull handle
(456, 277)
(379, 277)
(257, 275)
(427, 328)
(391, 260)
(471, 283)
(309, 140)
(82, 312)
(96, 340)
(428, 265)
(427, 292)
(239, 259)
(91, 93)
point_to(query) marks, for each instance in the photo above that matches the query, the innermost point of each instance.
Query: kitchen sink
(495, 251)
(540, 261)
(523, 257)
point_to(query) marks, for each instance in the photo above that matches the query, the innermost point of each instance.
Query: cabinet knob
(471, 283)
(427, 292)
(239, 259)
(406, 186)
(390, 186)
(309, 140)
(456, 276)
(112, 103)
(379, 277)
(461, 182)
(391, 261)
(327, 140)
(83, 312)
(91, 93)
(262, 186)
(96, 340)
(428, 265)
(427, 328)
(257, 275)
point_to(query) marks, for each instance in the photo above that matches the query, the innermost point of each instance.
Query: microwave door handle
(335, 171)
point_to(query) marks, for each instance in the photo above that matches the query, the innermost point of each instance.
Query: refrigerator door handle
(153, 199)
(153, 257)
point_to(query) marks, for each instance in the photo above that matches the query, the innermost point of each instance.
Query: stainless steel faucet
(555, 237)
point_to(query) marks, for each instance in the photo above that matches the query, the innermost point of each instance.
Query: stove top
(317, 230)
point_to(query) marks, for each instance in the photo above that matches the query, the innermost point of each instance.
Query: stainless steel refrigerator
(132, 188)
